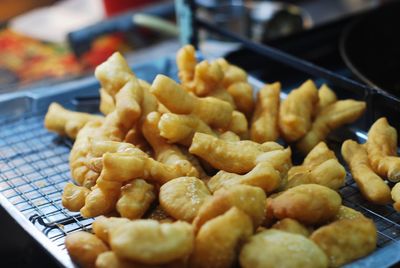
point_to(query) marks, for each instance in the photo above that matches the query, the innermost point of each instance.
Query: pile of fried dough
(179, 173)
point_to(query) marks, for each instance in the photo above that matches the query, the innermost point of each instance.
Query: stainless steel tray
(34, 166)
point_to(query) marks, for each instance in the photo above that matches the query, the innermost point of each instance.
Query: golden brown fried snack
(372, 187)
(232, 73)
(84, 248)
(296, 111)
(101, 201)
(109, 259)
(291, 226)
(212, 111)
(129, 165)
(103, 225)
(274, 248)
(396, 196)
(182, 197)
(326, 97)
(113, 74)
(65, 122)
(160, 215)
(207, 78)
(229, 136)
(180, 128)
(348, 213)
(239, 157)
(136, 198)
(165, 152)
(263, 175)
(242, 93)
(308, 203)
(264, 126)
(107, 103)
(73, 197)
(331, 117)
(151, 242)
(238, 125)
(346, 240)
(247, 198)
(382, 150)
(186, 61)
(320, 167)
(218, 241)
(79, 157)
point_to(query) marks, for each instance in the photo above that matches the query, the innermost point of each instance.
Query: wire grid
(34, 169)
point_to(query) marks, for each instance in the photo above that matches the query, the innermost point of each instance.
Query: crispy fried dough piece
(165, 152)
(207, 78)
(130, 104)
(382, 150)
(229, 136)
(186, 61)
(346, 240)
(180, 128)
(101, 201)
(113, 74)
(264, 126)
(182, 197)
(151, 242)
(308, 203)
(239, 157)
(107, 102)
(160, 215)
(331, 117)
(242, 93)
(84, 248)
(238, 125)
(296, 110)
(109, 259)
(247, 198)
(372, 187)
(73, 197)
(348, 213)
(263, 175)
(129, 165)
(291, 226)
(212, 111)
(274, 248)
(326, 96)
(218, 240)
(232, 73)
(136, 198)
(66, 122)
(320, 167)
(395, 193)
(103, 225)
(78, 158)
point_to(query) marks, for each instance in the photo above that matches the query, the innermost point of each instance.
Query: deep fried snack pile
(183, 179)
(374, 161)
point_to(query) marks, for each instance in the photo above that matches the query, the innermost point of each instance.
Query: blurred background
(50, 41)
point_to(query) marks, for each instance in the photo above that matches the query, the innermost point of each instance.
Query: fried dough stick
(382, 150)
(65, 122)
(212, 111)
(321, 167)
(372, 187)
(241, 156)
(331, 117)
(296, 111)
(264, 125)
